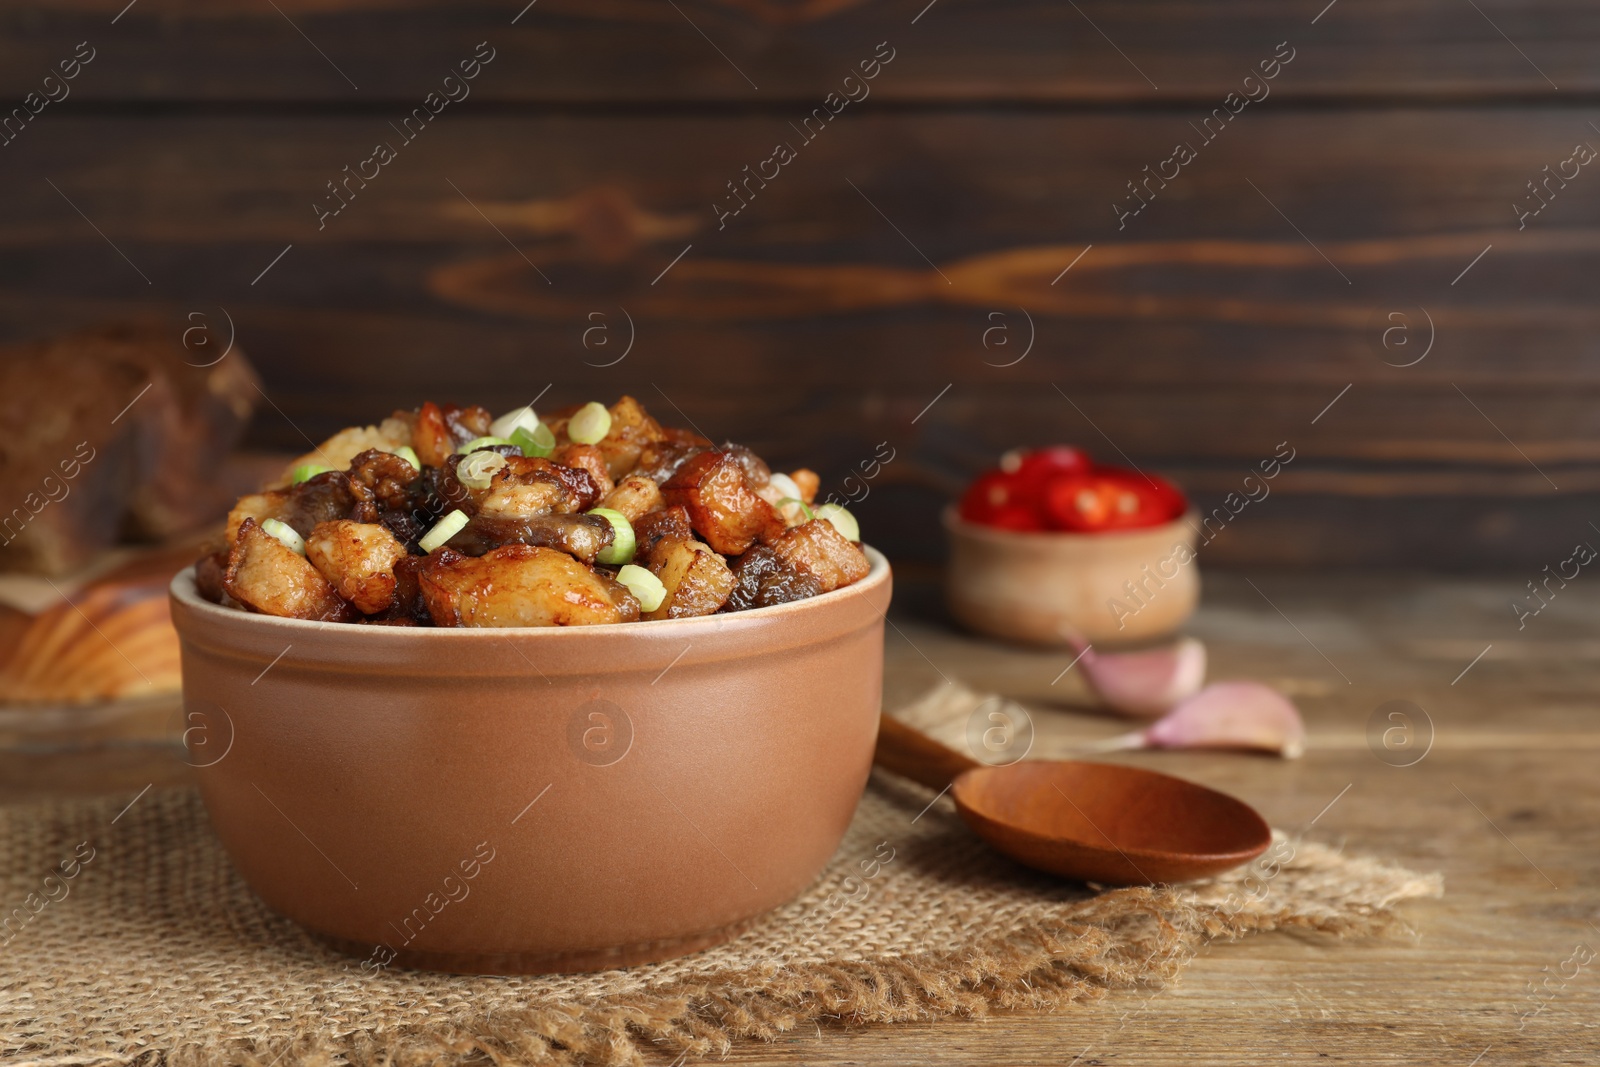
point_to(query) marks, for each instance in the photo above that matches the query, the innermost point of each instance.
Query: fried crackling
(441, 429)
(328, 496)
(270, 504)
(632, 430)
(388, 477)
(822, 551)
(529, 486)
(521, 585)
(659, 462)
(722, 507)
(358, 558)
(808, 481)
(467, 423)
(343, 447)
(269, 578)
(586, 458)
(756, 471)
(633, 497)
(208, 573)
(653, 527)
(696, 579)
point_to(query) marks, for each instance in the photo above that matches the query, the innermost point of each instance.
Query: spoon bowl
(1095, 822)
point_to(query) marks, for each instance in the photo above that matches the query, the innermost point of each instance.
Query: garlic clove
(1148, 682)
(1244, 715)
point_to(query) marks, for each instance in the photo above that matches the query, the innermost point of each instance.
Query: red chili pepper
(1060, 488)
(1110, 499)
(993, 493)
(1162, 500)
(1037, 467)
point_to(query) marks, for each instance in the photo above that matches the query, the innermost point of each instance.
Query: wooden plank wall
(1326, 246)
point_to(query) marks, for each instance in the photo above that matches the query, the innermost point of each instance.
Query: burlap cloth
(159, 951)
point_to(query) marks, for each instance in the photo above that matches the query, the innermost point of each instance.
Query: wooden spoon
(1094, 822)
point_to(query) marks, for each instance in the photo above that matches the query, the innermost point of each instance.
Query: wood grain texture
(1194, 339)
(1326, 239)
(1506, 805)
(954, 51)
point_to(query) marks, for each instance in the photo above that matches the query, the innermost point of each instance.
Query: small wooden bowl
(533, 800)
(1039, 588)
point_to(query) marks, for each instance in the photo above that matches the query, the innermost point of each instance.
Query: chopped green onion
(409, 454)
(443, 530)
(623, 543)
(478, 469)
(842, 521)
(644, 585)
(590, 425)
(285, 535)
(483, 442)
(522, 418)
(805, 509)
(538, 441)
(307, 471)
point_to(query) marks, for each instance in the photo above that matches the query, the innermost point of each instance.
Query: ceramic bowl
(533, 800)
(1109, 588)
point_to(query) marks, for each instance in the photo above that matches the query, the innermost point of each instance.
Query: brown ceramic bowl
(524, 801)
(1115, 587)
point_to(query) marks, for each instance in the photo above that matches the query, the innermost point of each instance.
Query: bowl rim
(954, 523)
(182, 591)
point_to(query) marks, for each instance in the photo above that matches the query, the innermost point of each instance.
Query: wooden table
(1506, 804)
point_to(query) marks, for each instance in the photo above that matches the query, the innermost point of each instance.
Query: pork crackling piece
(531, 486)
(632, 431)
(442, 429)
(589, 459)
(697, 580)
(521, 585)
(654, 527)
(819, 549)
(358, 559)
(633, 497)
(268, 577)
(722, 507)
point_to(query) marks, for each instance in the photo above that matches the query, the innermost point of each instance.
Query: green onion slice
(409, 454)
(644, 585)
(623, 543)
(484, 442)
(478, 469)
(307, 471)
(842, 521)
(443, 530)
(285, 535)
(590, 425)
(521, 418)
(538, 441)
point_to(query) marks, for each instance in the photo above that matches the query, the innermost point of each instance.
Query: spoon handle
(915, 755)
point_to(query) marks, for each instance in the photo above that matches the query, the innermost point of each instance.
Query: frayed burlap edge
(1119, 940)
